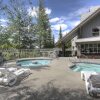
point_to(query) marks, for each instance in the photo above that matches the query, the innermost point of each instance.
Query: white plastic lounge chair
(6, 80)
(93, 87)
(86, 77)
(9, 82)
(17, 72)
(10, 76)
(11, 69)
(22, 72)
(87, 74)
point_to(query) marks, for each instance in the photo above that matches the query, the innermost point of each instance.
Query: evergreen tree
(5, 38)
(20, 24)
(53, 41)
(45, 35)
(60, 33)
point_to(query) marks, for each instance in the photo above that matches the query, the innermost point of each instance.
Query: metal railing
(86, 59)
(76, 60)
(83, 59)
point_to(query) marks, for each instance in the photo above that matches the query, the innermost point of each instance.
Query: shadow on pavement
(48, 92)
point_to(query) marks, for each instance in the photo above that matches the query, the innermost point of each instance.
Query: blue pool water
(33, 63)
(85, 67)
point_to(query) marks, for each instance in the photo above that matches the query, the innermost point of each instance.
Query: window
(98, 48)
(98, 45)
(82, 48)
(90, 48)
(95, 32)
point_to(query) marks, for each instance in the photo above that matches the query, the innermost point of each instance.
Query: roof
(71, 34)
(91, 39)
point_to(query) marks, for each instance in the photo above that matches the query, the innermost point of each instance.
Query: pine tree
(45, 35)
(53, 41)
(20, 24)
(60, 33)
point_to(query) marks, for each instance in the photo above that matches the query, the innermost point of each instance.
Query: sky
(64, 13)
(67, 13)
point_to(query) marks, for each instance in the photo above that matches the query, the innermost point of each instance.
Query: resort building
(85, 38)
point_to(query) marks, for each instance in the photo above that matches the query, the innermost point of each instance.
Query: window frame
(95, 33)
(90, 48)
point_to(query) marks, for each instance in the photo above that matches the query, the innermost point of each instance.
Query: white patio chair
(11, 69)
(10, 76)
(85, 75)
(22, 72)
(5, 79)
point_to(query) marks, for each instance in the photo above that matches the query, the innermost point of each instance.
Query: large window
(90, 48)
(96, 32)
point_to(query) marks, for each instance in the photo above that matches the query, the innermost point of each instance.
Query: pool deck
(57, 73)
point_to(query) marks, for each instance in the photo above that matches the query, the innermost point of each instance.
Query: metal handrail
(86, 57)
(74, 60)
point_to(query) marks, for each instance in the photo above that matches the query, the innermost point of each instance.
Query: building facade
(85, 37)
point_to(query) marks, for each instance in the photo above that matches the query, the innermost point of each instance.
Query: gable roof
(71, 34)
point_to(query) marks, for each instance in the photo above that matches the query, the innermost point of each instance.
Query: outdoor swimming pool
(33, 63)
(78, 67)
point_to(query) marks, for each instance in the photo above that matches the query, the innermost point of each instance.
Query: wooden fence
(12, 54)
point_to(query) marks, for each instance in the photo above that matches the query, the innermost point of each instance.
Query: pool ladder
(75, 60)
(85, 60)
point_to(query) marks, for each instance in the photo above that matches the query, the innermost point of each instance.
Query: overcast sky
(65, 13)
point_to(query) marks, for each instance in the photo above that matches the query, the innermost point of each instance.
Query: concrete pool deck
(59, 74)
